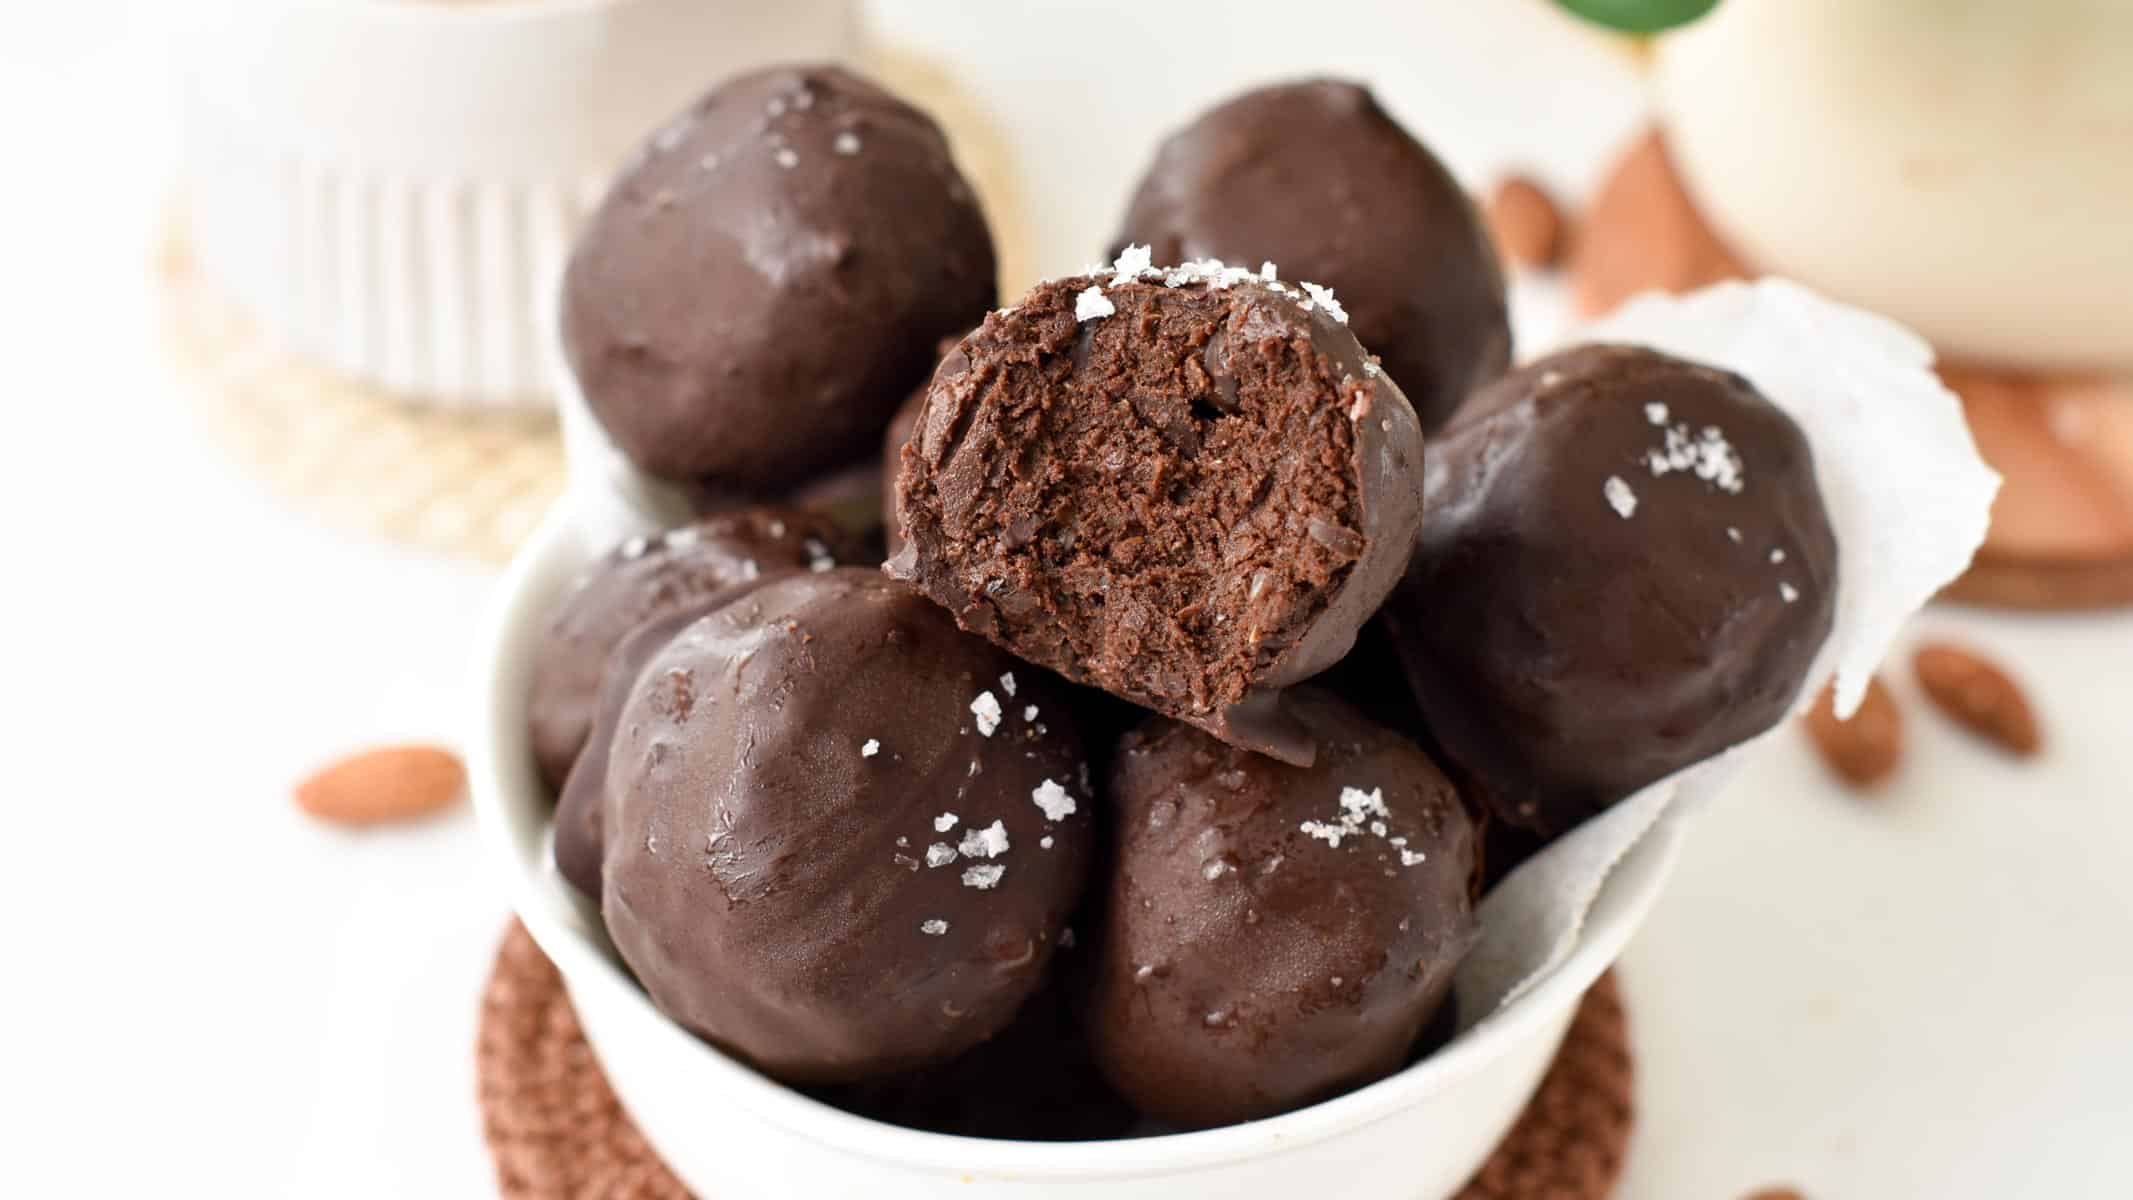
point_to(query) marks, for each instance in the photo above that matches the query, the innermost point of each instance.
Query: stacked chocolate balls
(1081, 814)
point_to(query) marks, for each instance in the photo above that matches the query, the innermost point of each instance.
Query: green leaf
(1640, 16)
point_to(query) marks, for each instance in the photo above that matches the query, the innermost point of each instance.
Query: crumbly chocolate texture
(1188, 488)
(1625, 568)
(1315, 177)
(761, 284)
(645, 578)
(838, 842)
(1275, 935)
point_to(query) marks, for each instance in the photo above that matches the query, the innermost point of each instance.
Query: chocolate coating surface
(645, 578)
(1625, 568)
(901, 428)
(1191, 499)
(763, 281)
(581, 809)
(837, 842)
(1275, 934)
(1317, 178)
(1034, 1081)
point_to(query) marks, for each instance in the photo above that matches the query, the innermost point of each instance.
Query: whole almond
(1865, 749)
(1527, 225)
(1980, 696)
(390, 783)
(1642, 231)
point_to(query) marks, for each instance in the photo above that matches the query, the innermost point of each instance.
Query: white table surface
(1925, 994)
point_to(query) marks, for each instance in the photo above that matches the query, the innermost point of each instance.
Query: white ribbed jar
(390, 186)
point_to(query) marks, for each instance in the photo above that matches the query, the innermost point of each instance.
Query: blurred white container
(1964, 166)
(1077, 93)
(390, 186)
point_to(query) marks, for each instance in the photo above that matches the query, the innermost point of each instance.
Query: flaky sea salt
(983, 878)
(933, 927)
(846, 143)
(1323, 298)
(1053, 799)
(870, 748)
(945, 822)
(1788, 592)
(986, 708)
(1091, 303)
(1777, 556)
(989, 842)
(819, 558)
(939, 854)
(1360, 811)
(1619, 497)
(1707, 454)
(786, 158)
(1732, 533)
(1655, 412)
(1029, 712)
(1007, 684)
(1129, 264)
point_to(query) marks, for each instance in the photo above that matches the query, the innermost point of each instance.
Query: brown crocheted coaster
(559, 1134)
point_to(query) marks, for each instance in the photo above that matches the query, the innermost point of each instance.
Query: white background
(1926, 994)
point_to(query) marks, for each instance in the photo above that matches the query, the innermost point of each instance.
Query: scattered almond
(1866, 748)
(1980, 696)
(1527, 224)
(390, 783)
(1642, 231)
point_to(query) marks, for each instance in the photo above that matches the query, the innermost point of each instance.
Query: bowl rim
(496, 744)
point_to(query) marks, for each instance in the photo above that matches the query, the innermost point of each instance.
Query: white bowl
(391, 188)
(729, 1131)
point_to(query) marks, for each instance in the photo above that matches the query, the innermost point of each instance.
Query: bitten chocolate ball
(1188, 488)
(1625, 569)
(1275, 935)
(762, 284)
(645, 578)
(842, 836)
(1317, 178)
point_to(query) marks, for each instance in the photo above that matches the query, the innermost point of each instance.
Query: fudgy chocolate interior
(1168, 494)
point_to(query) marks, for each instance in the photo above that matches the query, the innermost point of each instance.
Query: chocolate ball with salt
(1317, 178)
(1625, 568)
(1188, 488)
(646, 578)
(1275, 935)
(843, 836)
(763, 281)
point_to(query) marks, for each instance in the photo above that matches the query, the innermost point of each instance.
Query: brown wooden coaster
(2062, 526)
(558, 1133)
